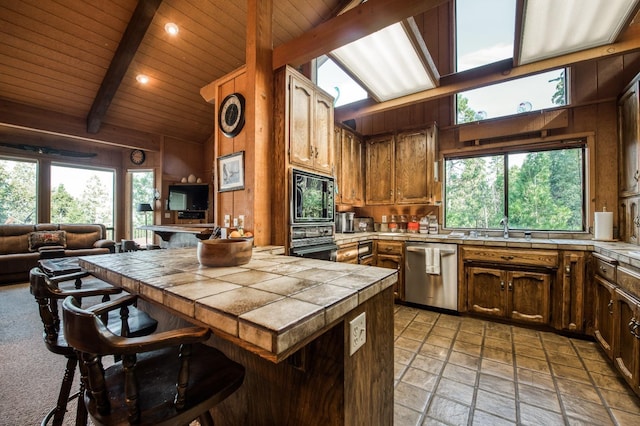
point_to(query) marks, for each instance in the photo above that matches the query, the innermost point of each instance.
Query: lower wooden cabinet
(390, 254)
(626, 338)
(347, 253)
(517, 295)
(604, 293)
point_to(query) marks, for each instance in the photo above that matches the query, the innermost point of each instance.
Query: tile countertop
(620, 251)
(273, 305)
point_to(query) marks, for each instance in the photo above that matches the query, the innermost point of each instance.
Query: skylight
(552, 28)
(333, 80)
(388, 63)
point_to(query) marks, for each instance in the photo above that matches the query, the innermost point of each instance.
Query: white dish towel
(432, 260)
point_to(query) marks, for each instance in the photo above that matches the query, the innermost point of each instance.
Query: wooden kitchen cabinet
(603, 316)
(380, 171)
(390, 254)
(399, 170)
(626, 338)
(414, 168)
(522, 296)
(630, 220)
(308, 122)
(569, 309)
(628, 124)
(349, 163)
(347, 253)
(509, 284)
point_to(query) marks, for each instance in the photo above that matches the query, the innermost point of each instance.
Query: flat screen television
(185, 197)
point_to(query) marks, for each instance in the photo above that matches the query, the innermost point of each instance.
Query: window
(18, 189)
(333, 80)
(537, 190)
(142, 192)
(80, 195)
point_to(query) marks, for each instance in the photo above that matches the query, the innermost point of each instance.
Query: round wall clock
(231, 117)
(137, 156)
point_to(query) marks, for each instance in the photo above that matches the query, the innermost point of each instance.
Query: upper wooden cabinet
(349, 167)
(310, 123)
(380, 171)
(628, 123)
(400, 169)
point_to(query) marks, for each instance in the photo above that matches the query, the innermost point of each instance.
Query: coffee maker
(344, 222)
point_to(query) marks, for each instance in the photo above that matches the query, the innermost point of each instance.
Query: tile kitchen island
(287, 320)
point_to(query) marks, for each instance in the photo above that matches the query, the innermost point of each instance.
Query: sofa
(22, 246)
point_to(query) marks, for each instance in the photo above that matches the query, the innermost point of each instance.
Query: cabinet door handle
(603, 269)
(507, 257)
(510, 286)
(636, 175)
(610, 306)
(501, 285)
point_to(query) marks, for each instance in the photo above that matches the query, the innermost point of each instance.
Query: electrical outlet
(357, 333)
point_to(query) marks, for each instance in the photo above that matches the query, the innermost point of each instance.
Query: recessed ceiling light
(171, 28)
(142, 79)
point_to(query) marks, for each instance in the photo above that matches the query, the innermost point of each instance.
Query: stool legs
(63, 396)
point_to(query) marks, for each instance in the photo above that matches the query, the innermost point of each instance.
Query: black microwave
(312, 197)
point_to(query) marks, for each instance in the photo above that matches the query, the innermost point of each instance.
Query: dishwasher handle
(443, 252)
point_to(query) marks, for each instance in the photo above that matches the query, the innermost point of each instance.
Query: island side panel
(369, 371)
(325, 386)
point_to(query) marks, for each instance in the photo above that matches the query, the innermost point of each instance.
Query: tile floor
(464, 371)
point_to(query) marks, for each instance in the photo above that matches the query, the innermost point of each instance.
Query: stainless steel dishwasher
(431, 275)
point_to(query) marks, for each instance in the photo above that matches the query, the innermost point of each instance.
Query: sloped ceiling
(54, 55)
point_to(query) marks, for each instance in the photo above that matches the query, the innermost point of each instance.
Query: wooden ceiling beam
(496, 73)
(131, 39)
(352, 25)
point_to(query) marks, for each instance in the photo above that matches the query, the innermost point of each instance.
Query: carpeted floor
(29, 373)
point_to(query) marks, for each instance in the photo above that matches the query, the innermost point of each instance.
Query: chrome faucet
(505, 222)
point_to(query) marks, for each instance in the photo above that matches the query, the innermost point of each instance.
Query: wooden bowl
(231, 252)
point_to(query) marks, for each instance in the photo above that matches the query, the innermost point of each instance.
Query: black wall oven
(312, 198)
(312, 216)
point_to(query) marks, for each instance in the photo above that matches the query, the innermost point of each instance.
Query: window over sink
(539, 190)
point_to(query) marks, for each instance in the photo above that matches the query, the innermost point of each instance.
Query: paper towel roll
(603, 226)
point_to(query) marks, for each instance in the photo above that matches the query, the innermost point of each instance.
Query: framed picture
(231, 172)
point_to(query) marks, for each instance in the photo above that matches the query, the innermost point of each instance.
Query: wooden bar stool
(47, 291)
(169, 378)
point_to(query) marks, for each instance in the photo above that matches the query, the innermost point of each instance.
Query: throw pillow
(47, 238)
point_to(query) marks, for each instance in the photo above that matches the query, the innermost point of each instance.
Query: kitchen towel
(603, 226)
(432, 261)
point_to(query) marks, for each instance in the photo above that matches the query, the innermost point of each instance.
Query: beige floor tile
(602, 366)
(413, 334)
(411, 396)
(578, 389)
(481, 418)
(625, 418)
(434, 351)
(403, 416)
(448, 411)
(571, 360)
(441, 341)
(496, 368)
(527, 340)
(427, 317)
(625, 400)
(536, 379)
(464, 360)
(543, 398)
(497, 384)
(449, 322)
(610, 382)
(408, 344)
(460, 374)
(439, 330)
(572, 373)
(425, 363)
(403, 356)
(584, 410)
(505, 357)
(492, 342)
(398, 370)
(455, 390)
(530, 351)
(473, 338)
(536, 416)
(420, 379)
(499, 405)
(467, 348)
(500, 334)
(535, 364)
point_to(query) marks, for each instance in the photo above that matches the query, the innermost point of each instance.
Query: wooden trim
(131, 39)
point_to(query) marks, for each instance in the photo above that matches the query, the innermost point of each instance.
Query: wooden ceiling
(55, 54)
